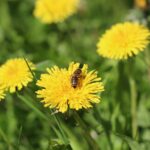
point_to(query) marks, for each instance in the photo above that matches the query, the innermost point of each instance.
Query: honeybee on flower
(59, 92)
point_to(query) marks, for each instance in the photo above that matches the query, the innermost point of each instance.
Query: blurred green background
(26, 125)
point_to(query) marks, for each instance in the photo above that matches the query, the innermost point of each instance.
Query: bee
(76, 77)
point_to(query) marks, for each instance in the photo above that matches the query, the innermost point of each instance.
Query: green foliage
(26, 125)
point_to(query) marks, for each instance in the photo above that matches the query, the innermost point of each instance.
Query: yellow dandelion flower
(15, 74)
(123, 40)
(53, 11)
(58, 91)
(2, 95)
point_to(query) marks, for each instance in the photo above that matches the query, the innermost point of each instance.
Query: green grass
(26, 125)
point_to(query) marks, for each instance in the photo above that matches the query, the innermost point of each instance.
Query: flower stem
(61, 129)
(133, 107)
(5, 139)
(48, 119)
(87, 135)
(34, 77)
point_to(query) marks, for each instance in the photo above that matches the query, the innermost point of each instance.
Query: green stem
(43, 116)
(61, 129)
(91, 141)
(33, 107)
(19, 138)
(133, 107)
(11, 119)
(4, 11)
(33, 75)
(105, 128)
(6, 140)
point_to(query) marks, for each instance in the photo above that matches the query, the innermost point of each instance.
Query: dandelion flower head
(57, 91)
(123, 40)
(53, 11)
(15, 74)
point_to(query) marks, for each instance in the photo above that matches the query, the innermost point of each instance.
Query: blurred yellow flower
(2, 95)
(141, 3)
(53, 11)
(58, 91)
(123, 40)
(15, 74)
